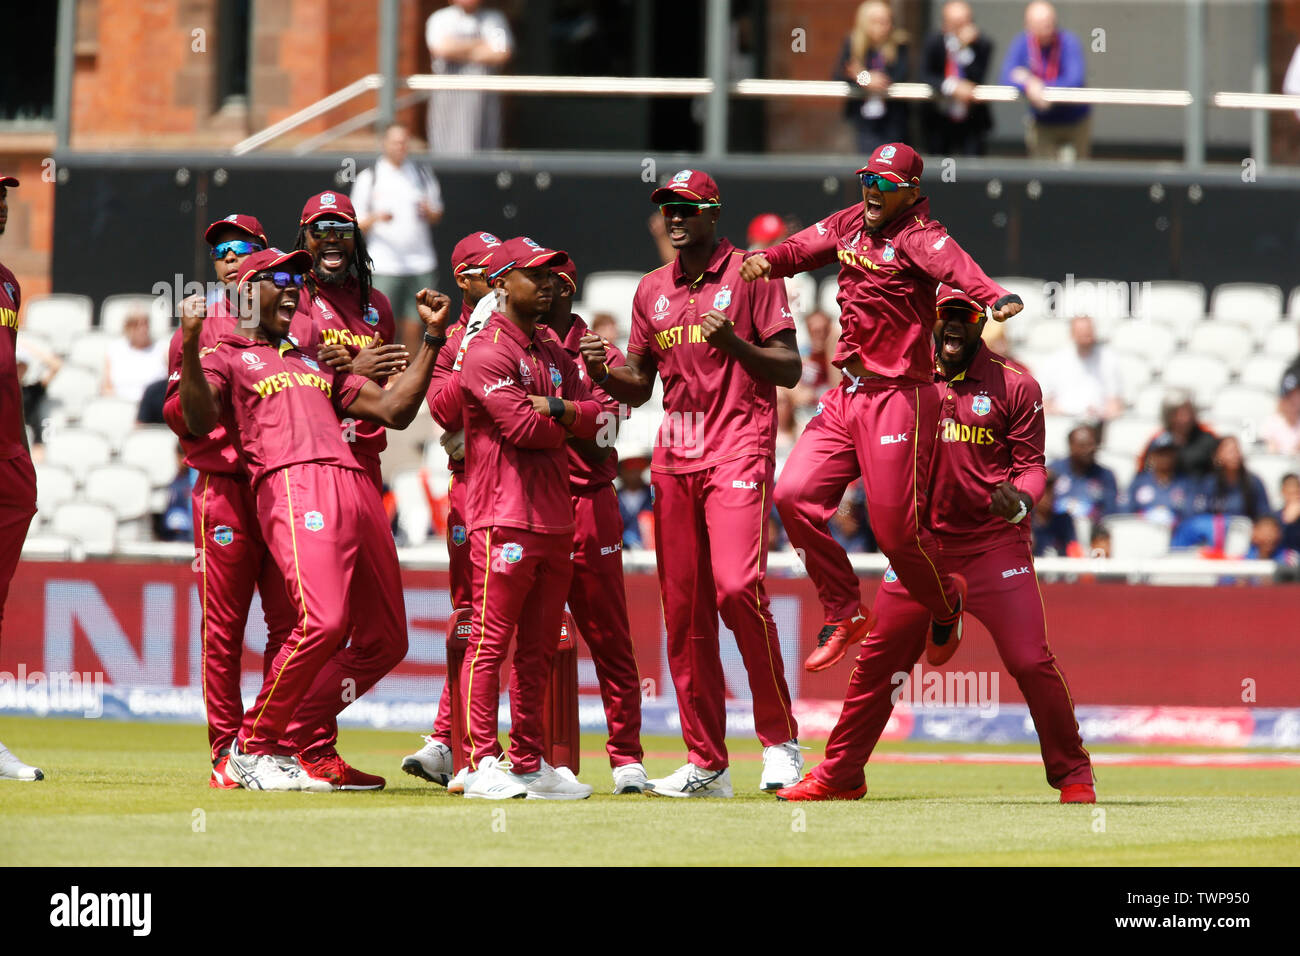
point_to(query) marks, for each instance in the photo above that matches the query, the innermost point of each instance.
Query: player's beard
(336, 278)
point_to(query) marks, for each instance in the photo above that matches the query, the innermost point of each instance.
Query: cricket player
(988, 473)
(319, 517)
(882, 420)
(597, 598)
(18, 487)
(514, 380)
(469, 264)
(722, 346)
(232, 557)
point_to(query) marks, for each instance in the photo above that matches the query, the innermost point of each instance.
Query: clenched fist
(434, 307)
(592, 348)
(718, 330)
(755, 267)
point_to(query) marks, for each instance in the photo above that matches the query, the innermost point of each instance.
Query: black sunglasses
(321, 229)
(686, 209)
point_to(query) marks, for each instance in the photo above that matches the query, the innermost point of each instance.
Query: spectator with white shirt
(398, 202)
(134, 361)
(1083, 379)
(466, 40)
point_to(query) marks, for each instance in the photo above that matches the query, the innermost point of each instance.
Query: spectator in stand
(817, 346)
(1083, 380)
(635, 501)
(176, 523)
(954, 61)
(36, 368)
(1231, 489)
(398, 201)
(466, 40)
(1159, 494)
(1266, 543)
(1195, 443)
(874, 57)
(850, 525)
(787, 429)
(767, 230)
(1052, 531)
(1290, 513)
(1044, 56)
(150, 411)
(1084, 488)
(134, 361)
(606, 326)
(1281, 432)
(1099, 545)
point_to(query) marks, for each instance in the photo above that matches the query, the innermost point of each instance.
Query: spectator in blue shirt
(1052, 531)
(1160, 495)
(635, 501)
(1044, 56)
(1083, 487)
(1230, 489)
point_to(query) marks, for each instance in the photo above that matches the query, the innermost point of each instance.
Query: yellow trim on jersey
(482, 630)
(1007, 367)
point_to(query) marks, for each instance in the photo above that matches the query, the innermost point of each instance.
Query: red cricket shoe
(327, 765)
(810, 788)
(944, 639)
(834, 640)
(1078, 793)
(220, 779)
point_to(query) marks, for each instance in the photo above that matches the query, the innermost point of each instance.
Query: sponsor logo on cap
(488, 239)
(529, 243)
(981, 405)
(556, 378)
(512, 553)
(459, 535)
(723, 298)
(223, 534)
(313, 520)
(328, 199)
(372, 315)
(887, 154)
(233, 217)
(682, 177)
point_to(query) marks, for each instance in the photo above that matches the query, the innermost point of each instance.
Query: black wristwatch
(435, 341)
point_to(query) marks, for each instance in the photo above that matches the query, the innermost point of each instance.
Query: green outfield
(136, 794)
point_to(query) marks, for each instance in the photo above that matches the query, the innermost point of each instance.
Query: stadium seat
(1045, 335)
(1106, 301)
(1127, 435)
(1239, 409)
(1151, 340)
(1056, 439)
(114, 418)
(124, 488)
(1033, 293)
(42, 546)
(76, 449)
(1281, 339)
(93, 525)
(115, 308)
(1122, 464)
(1135, 374)
(830, 287)
(1230, 341)
(152, 448)
(1146, 403)
(59, 318)
(1203, 375)
(1263, 371)
(55, 485)
(1236, 539)
(1255, 305)
(1177, 304)
(72, 388)
(1132, 536)
(611, 292)
(90, 350)
(1271, 469)
(412, 506)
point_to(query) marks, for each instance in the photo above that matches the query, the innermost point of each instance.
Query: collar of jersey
(244, 342)
(513, 331)
(919, 212)
(716, 264)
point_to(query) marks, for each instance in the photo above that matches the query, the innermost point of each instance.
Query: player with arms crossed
(722, 346)
(988, 473)
(882, 420)
(319, 517)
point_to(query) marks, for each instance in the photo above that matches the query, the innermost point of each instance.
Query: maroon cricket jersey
(887, 284)
(337, 318)
(520, 477)
(12, 421)
(443, 397)
(583, 475)
(714, 409)
(278, 405)
(991, 430)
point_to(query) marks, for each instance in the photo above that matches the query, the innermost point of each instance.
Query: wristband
(1024, 510)
(435, 341)
(555, 406)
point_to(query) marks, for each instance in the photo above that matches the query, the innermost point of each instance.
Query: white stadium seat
(412, 506)
(1282, 339)
(72, 388)
(611, 292)
(152, 448)
(1127, 435)
(58, 318)
(1240, 408)
(114, 310)
(1132, 536)
(1202, 375)
(124, 488)
(77, 450)
(1175, 303)
(1263, 371)
(114, 418)
(1033, 293)
(95, 526)
(830, 288)
(1271, 469)
(1123, 465)
(1135, 374)
(55, 485)
(1056, 439)
(1151, 340)
(1147, 401)
(1253, 304)
(90, 349)
(1044, 335)
(1236, 540)
(1230, 341)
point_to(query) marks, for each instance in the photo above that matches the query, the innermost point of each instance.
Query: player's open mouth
(332, 259)
(677, 232)
(954, 342)
(875, 209)
(288, 305)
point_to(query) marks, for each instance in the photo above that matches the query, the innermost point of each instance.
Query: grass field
(137, 794)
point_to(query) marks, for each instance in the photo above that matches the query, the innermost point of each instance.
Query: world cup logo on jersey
(525, 372)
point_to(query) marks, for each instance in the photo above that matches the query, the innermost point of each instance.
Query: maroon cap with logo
(329, 203)
(689, 185)
(895, 161)
(522, 253)
(7, 180)
(568, 271)
(238, 220)
(473, 252)
(297, 261)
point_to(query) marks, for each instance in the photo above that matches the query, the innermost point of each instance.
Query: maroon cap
(767, 228)
(952, 296)
(689, 185)
(895, 161)
(328, 203)
(298, 261)
(238, 220)
(569, 271)
(522, 253)
(7, 180)
(474, 251)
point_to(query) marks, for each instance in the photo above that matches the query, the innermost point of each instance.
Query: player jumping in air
(988, 474)
(882, 420)
(319, 516)
(722, 346)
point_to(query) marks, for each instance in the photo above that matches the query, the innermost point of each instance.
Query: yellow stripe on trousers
(482, 630)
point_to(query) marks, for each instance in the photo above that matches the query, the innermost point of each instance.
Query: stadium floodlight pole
(390, 19)
(717, 52)
(1259, 119)
(63, 65)
(1194, 129)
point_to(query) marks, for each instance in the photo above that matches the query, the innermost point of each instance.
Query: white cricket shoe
(553, 783)
(269, 772)
(630, 778)
(457, 785)
(692, 781)
(491, 781)
(782, 766)
(294, 770)
(431, 762)
(11, 768)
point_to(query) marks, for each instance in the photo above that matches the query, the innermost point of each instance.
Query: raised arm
(937, 255)
(397, 405)
(200, 399)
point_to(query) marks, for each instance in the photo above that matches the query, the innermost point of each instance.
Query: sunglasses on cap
(473, 271)
(321, 229)
(883, 184)
(282, 280)
(240, 247)
(686, 209)
(961, 312)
